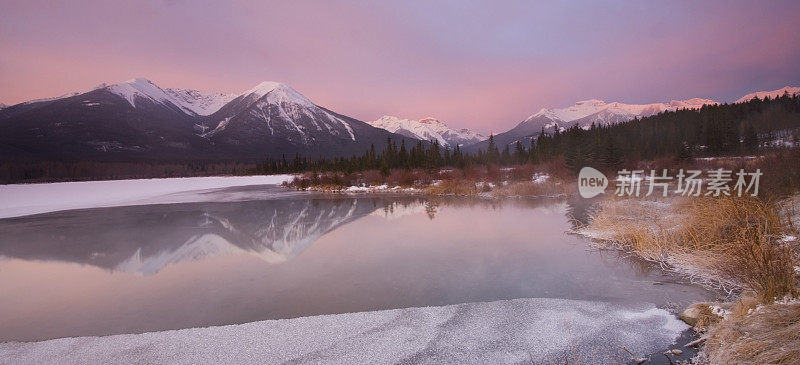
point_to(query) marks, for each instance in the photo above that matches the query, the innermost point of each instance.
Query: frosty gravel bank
(26, 199)
(511, 331)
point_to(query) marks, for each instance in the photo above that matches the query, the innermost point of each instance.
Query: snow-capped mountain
(791, 90)
(139, 119)
(587, 112)
(134, 119)
(428, 129)
(273, 119)
(192, 102)
(277, 108)
(584, 113)
(3, 106)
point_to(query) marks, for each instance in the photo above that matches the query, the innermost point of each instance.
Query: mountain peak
(427, 129)
(604, 112)
(278, 93)
(791, 90)
(263, 88)
(590, 102)
(140, 88)
(139, 80)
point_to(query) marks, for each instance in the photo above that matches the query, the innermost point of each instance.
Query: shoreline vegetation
(476, 181)
(745, 247)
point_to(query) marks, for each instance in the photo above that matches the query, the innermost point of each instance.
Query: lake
(252, 253)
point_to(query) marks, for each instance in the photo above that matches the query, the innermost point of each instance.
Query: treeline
(713, 130)
(54, 171)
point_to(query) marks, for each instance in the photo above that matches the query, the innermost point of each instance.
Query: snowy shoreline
(508, 331)
(27, 199)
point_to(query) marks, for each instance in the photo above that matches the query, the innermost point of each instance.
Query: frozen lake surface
(248, 255)
(27, 199)
(513, 331)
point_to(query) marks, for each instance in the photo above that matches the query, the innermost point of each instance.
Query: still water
(273, 253)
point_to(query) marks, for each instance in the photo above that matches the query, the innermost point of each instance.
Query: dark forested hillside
(713, 130)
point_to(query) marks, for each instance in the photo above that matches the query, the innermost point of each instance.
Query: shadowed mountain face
(112, 238)
(98, 124)
(138, 120)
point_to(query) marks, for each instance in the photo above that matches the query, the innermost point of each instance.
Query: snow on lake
(26, 199)
(509, 331)
(259, 273)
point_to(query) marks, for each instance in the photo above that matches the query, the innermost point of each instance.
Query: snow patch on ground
(27, 199)
(510, 331)
(540, 178)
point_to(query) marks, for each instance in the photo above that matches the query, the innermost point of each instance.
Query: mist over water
(158, 267)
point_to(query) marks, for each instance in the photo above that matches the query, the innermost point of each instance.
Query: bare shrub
(475, 172)
(453, 187)
(372, 177)
(746, 234)
(736, 241)
(529, 189)
(768, 334)
(521, 173)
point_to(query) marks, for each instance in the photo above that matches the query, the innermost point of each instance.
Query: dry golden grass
(727, 240)
(767, 335)
(647, 228)
(550, 187)
(745, 235)
(453, 187)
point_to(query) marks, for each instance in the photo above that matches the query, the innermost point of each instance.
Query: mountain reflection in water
(283, 255)
(145, 239)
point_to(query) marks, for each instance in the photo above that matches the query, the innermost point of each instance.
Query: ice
(27, 199)
(511, 331)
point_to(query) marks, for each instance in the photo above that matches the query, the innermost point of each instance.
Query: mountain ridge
(584, 113)
(137, 120)
(428, 129)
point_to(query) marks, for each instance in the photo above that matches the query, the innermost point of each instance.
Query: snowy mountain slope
(140, 88)
(791, 90)
(199, 102)
(67, 95)
(428, 129)
(120, 122)
(137, 119)
(600, 111)
(3, 106)
(280, 109)
(272, 119)
(584, 113)
(191, 102)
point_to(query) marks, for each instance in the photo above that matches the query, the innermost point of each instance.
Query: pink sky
(479, 65)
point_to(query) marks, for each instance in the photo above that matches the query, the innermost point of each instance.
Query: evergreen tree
(492, 153)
